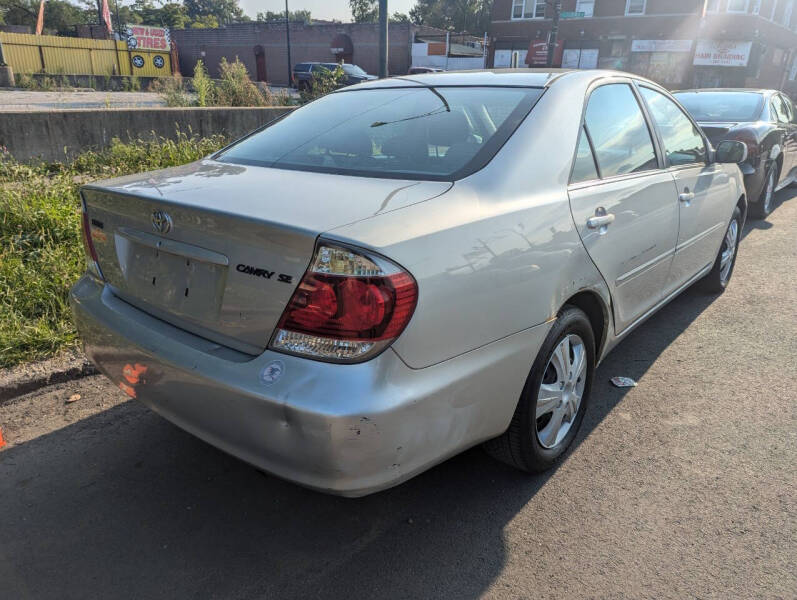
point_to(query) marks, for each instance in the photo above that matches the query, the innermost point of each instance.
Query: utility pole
(382, 39)
(288, 42)
(557, 10)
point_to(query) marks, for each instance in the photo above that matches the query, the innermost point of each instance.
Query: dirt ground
(685, 486)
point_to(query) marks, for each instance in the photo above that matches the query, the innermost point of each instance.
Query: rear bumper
(344, 429)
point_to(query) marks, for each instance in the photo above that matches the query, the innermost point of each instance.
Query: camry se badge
(264, 273)
(161, 221)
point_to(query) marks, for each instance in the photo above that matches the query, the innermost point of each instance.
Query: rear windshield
(302, 67)
(722, 106)
(435, 133)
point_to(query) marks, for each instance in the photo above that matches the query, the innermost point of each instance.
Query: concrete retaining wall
(62, 134)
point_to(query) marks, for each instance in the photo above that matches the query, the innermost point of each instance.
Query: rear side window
(584, 167)
(780, 110)
(683, 144)
(619, 133)
(419, 132)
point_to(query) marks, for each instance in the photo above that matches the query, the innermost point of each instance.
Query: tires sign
(138, 61)
(158, 61)
(144, 37)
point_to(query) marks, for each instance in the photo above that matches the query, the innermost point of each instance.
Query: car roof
(494, 77)
(725, 90)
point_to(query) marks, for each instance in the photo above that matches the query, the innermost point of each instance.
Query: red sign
(143, 37)
(538, 54)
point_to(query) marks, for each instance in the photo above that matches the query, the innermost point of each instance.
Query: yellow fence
(80, 56)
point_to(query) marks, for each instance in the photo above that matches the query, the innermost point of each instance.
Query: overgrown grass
(41, 253)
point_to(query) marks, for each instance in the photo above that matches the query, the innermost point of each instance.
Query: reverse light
(92, 262)
(349, 306)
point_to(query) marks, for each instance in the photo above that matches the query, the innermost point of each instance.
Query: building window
(756, 7)
(737, 6)
(528, 9)
(635, 7)
(585, 6)
(787, 13)
(712, 6)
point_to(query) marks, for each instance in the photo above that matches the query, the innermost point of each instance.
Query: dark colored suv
(303, 73)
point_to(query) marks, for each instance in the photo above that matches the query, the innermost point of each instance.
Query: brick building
(262, 46)
(751, 43)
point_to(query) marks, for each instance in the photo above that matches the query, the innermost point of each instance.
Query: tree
(398, 17)
(364, 11)
(225, 11)
(295, 16)
(59, 15)
(454, 15)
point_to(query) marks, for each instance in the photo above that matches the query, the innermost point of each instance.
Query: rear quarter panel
(496, 254)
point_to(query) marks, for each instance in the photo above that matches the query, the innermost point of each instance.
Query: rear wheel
(551, 408)
(717, 279)
(763, 207)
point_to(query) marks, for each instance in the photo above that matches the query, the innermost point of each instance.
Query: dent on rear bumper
(345, 429)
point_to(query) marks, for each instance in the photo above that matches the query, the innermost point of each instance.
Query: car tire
(717, 279)
(762, 208)
(536, 443)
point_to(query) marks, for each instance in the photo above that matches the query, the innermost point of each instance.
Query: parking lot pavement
(684, 486)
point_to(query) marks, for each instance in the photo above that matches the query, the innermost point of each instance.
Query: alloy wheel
(561, 390)
(768, 192)
(728, 250)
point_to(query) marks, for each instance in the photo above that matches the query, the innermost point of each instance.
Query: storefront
(723, 63)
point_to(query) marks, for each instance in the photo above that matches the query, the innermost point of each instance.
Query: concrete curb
(23, 379)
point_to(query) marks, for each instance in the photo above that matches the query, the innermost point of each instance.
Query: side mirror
(730, 151)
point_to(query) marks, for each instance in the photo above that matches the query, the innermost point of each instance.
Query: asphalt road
(685, 486)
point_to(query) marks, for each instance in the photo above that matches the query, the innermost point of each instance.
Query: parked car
(303, 73)
(422, 70)
(392, 274)
(765, 121)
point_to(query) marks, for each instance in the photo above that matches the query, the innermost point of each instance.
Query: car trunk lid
(218, 248)
(716, 132)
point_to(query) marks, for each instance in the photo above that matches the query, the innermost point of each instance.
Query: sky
(320, 9)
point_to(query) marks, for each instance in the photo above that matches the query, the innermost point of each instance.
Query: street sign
(571, 15)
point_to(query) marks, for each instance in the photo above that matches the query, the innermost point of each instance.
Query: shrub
(203, 85)
(171, 90)
(322, 83)
(235, 88)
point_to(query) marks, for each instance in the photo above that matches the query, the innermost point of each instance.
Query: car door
(788, 120)
(623, 202)
(702, 187)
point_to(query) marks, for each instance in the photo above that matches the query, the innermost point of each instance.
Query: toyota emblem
(161, 221)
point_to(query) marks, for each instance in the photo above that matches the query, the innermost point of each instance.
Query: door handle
(686, 197)
(601, 220)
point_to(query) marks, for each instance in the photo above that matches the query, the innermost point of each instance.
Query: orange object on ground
(127, 389)
(2, 441)
(133, 373)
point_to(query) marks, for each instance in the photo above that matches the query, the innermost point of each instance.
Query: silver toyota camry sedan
(405, 268)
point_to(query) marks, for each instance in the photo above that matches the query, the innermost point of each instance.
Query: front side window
(584, 168)
(683, 144)
(712, 6)
(635, 7)
(779, 109)
(432, 133)
(737, 6)
(619, 133)
(786, 20)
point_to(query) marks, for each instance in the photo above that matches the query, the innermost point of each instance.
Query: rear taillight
(92, 263)
(350, 305)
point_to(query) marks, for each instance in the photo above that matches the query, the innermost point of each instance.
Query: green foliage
(295, 16)
(225, 11)
(364, 11)
(454, 15)
(398, 17)
(41, 252)
(323, 82)
(171, 90)
(203, 85)
(234, 87)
